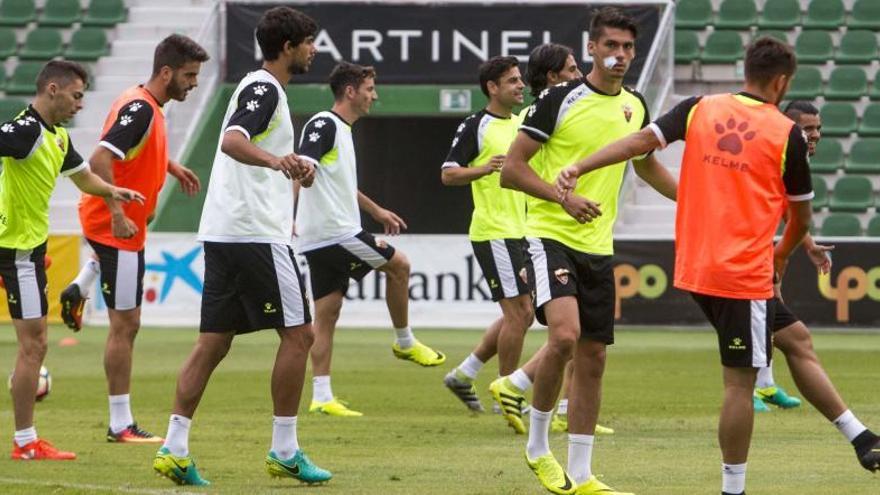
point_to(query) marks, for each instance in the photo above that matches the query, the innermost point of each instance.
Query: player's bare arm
(241, 149)
(189, 181)
(462, 176)
(517, 174)
(657, 176)
(90, 183)
(393, 224)
(101, 164)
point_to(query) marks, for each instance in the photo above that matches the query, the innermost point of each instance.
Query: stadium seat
(736, 14)
(693, 14)
(857, 47)
(722, 47)
(773, 33)
(873, 227)
(828, 157)
(17, 12)
(24, 78)
(864, 157)
(820, 188)
(870, 125)
(8, 43)
(780, 14)
(814, 47)
(825, 14)
(847, 83)
(838, 119)
(687, 47)
(10, 107)
(104, 13)
(806, 85)
(87, 44)
(60, 13)
(874, 94)
(852, 194)
(865, 15)
(841, 225)
(41, 44)
(2, 78)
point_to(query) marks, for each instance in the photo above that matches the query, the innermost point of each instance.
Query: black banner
(848, 296)
(433, 44)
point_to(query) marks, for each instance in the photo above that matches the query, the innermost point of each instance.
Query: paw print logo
(313, 137)
(134, 107)
(733, 135)
(260, 90)
(544, 93)
(7, 128)
(532, 109)
(320, 123)
(252, 105)
(125, 120)
(460, 128)
(454, 141)
(23, 122)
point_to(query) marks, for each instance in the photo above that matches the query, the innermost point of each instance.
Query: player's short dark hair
(177, 50)
(767, 58)
(549, 57)
(493, 69)
(348, 74)
(614, 18)
(796, 108)
(61, 72)
(280, 25)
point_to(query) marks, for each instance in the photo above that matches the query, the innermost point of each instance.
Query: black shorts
(24, 275)
(122, 276)
(783, 317)
(561, 271)
(331, 267)
(506, 266)
(744, 328)
(252, 286)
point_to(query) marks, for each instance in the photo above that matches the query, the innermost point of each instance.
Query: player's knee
(399, 266)
(307, 335)
(34, 350)
(795, 341)
(563, 342)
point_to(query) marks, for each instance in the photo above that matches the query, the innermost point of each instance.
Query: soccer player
(572, 257)
(332, 240)
(133, 152)
(497, 231)
(251, 278)
(743, 159)
(805, 115)
(35, 150)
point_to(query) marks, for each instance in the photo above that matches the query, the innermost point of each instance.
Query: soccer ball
(44, 385)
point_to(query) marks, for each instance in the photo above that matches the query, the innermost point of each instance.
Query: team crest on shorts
(562, 275)
(627, 111)
(382, 244)
(524, 275)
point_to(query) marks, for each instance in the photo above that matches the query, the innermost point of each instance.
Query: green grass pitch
(662, 393)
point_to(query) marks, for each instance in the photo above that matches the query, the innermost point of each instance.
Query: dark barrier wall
(849, 296)
(435, 44)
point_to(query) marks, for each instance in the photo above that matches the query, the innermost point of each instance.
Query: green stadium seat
(693, 14)
(104, 13)
(870, 125)
(41, 44)
(736, 14)
(838, 119)
(687, 47)
(806, 85)
(814, 47)
(780, 14)
(87, 44)
(60, 13)
(873, 227)
(10, 107)
(874, 94)
(24, 78)
(857, 47)
(722, 47)
(773, 33)
(2, 78)
(8, 43)
(825, 14)
(828, 157)
(847, 83)
(17, 12)
(865, 15)
(864, 157)
(841, 225)
(820, 188)
(852, 194)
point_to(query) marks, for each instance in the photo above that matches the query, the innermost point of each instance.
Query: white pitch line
(84, 486)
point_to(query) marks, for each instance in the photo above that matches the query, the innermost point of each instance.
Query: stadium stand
(17, 13)
(841, 225)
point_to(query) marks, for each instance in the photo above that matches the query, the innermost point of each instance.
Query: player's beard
(297, 67)
(175, 91)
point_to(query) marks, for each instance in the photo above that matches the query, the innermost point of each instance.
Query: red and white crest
(562, 275)
(627, 111)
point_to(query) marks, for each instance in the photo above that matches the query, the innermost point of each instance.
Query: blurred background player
(737, 292)
(251, 278)
(132, 152)
(571, 244)
(35, 150)
(331, 238)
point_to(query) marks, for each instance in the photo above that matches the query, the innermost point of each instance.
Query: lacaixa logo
(649, 281)
(853, 283)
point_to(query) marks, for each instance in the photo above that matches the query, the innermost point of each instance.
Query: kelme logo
(733, 135)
